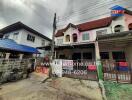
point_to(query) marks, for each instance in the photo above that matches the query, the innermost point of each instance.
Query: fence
(13, 69)
(117, 71)
(83, 69)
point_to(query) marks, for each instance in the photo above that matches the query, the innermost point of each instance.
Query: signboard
(117, 11)
(40, 69)
(57, 67)
(67, 64)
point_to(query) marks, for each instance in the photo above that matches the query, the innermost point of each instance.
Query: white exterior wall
(22, 39)
(11, 35)
(119, 21)
(70, 32)
(59, 38)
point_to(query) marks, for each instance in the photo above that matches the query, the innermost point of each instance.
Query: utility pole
(53, 38)
(98, 61)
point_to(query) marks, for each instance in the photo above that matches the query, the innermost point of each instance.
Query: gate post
(98, 61)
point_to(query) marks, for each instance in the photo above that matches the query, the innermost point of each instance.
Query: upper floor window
(101, 32)
(85, 36)
(67, 38)
(74, 37)
(43, 42)
(30, 38)
(15, 36)
(59, 41)
(130, 26)
(118, 28)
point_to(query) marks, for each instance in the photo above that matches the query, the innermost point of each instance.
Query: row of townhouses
(113, 34)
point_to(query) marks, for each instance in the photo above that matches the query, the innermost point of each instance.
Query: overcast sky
(38, 14)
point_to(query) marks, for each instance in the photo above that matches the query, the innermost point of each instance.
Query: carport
(116, 56)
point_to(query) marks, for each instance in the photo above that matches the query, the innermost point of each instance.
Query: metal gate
(117, 71)
(82, 69)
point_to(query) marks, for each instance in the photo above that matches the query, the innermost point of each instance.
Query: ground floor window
(104, 55)
(119, 55)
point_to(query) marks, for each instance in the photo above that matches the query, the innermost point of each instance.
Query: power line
(99, 5)
(85, 10)
(89, 17)
(86, 18)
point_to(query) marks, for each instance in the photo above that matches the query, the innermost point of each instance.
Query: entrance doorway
(119, 56)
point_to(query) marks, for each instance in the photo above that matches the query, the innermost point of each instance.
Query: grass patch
(118, 91)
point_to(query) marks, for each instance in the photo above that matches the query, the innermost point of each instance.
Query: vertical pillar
(21, 56)
(55, 54)
(98, 61)
(7, 56)
(110, 55)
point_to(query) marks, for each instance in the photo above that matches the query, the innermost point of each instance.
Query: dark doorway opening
(76, 56)
(119, 56)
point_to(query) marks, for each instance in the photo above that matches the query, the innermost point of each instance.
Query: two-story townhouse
(77, 41)
(24, 35)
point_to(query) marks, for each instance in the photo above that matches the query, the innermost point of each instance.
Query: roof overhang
(70, 46)
(20, 25)
(121, 39)
(10, 45)
(125, 34)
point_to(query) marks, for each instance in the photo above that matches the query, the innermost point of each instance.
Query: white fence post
(57, 67)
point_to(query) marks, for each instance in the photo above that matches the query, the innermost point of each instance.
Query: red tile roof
(100, 23)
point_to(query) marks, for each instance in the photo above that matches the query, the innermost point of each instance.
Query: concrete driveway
(52, 89)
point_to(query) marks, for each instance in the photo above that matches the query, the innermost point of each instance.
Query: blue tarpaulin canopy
(12, 45)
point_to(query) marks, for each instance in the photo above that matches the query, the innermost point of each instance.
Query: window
(67, 38)
(43, 42)
(85, 36)
(59, 41)
(87, 55)
(118, 28)
(15, 36)
(101, 32)
(118, 55)
(104, 55)
(74, 37)
(30, 38)
(130, 26)
(6, 36)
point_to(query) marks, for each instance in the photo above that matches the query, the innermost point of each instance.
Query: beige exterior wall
(128, 20)
(128, 52)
